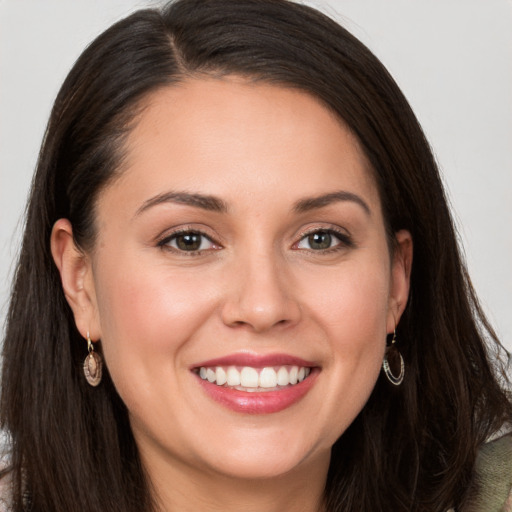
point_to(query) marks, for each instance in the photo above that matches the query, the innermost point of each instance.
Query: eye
(323, 239)
(188, 241)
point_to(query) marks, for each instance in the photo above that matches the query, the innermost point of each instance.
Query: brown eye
(320, 240)
(188, 241)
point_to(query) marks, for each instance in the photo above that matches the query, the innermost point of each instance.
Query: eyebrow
(214, 204)
(312, 203)
(205, 202)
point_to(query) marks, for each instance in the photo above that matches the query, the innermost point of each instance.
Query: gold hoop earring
(93, 365)
(394, 353)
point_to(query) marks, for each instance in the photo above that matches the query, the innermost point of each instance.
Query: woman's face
(241, 283)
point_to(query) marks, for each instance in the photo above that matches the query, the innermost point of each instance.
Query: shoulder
(5, 489)
(5, 474)
(492, 483)
(6, 481)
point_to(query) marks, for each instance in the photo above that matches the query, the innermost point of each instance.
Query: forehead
(229, 135)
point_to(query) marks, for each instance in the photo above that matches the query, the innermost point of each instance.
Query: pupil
(320, 240)
(189, 242)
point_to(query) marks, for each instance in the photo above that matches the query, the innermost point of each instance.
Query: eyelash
(345, 241)
(164, 243)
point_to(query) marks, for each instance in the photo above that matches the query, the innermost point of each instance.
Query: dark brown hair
(411, 448)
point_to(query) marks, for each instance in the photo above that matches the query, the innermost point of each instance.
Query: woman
(219, 246)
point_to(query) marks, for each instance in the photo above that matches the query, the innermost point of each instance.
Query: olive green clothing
(492, 484)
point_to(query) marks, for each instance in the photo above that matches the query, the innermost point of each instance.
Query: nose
(260, 295)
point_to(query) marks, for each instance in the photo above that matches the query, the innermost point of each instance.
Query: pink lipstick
(256, 384)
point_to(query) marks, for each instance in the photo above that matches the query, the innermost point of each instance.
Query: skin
(258, 287)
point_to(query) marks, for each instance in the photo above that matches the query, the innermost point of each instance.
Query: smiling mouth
(253, 379)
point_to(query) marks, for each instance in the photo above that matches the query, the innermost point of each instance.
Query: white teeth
(253, 379)
(221, 376)
(268, 378)
(283, 378)
(249, 377)
(233, 377)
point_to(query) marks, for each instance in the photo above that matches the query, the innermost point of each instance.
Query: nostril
(257, 326)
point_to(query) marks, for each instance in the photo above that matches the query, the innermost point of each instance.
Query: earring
(93, 365)
(392, 352)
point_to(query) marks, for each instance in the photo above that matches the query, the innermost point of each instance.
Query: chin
(250, 467)
(259, 457)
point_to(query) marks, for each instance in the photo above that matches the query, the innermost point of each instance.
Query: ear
(401, 266)
(77, 279)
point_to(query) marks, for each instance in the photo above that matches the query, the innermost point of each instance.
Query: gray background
(452, 58)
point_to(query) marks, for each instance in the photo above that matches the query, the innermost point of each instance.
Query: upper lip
(256, 361)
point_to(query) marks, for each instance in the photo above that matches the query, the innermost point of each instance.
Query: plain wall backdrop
(452, 59)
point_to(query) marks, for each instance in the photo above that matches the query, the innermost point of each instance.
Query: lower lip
(265, 402)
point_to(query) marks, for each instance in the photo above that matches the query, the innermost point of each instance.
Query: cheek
(351, 311)
(356, 325)
(352, 303)
(147, 313)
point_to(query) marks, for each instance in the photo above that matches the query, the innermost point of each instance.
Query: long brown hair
(411, 448)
